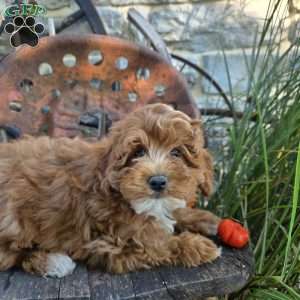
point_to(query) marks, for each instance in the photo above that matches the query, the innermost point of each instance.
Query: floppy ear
(112, 164)
(206, 180)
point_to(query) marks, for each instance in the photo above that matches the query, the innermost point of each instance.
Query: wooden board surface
(227, 274)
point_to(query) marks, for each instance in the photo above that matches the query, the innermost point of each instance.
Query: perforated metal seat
(59, 87)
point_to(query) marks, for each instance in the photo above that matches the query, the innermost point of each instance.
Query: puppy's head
(157, 153)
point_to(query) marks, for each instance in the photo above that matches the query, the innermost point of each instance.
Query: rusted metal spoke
(182, 67)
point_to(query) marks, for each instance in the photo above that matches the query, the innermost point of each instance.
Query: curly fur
(93, 203)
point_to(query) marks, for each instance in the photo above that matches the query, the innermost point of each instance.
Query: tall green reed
(261, 182)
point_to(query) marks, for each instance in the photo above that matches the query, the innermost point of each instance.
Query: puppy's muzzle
(158, 183)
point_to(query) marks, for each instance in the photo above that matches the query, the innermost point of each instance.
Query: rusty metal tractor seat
(76, 86)
(67, 84)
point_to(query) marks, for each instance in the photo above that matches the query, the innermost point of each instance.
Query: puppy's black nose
(158, 183)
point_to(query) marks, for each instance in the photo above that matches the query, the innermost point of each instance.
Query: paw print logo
(24, 31)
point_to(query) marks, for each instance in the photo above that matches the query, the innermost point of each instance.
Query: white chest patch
(161, 209)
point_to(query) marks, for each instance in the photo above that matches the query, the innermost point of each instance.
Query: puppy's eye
(176, 152)
(139, 152)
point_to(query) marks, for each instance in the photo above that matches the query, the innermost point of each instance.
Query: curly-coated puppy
(121, 203)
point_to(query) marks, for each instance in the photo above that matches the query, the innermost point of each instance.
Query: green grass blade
(294, 211)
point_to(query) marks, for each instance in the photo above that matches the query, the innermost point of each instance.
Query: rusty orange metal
(43, 90)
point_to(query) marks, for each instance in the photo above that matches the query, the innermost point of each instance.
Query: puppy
(121, 204)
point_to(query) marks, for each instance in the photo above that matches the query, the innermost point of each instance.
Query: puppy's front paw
(59, 265)
(207, 224)
(197, 220)
(197, 249)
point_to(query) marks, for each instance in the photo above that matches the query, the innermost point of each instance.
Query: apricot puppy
(114, 204)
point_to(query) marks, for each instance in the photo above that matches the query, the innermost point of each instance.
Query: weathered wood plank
(24, 286)
(146, 281)
(163, 295)
(5, 278)
(149, 285)
(75, 286)
(227, 274)
(106, 286)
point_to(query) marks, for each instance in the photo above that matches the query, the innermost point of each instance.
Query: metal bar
(70, 20)
(3, 135)
(92, 16)
(144, 26)
(225, 113)
(51, 26)
(11, 131)
(209, 78)
(4, 22)
(182, 67)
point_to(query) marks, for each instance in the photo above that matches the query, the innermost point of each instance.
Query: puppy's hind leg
(48, 264)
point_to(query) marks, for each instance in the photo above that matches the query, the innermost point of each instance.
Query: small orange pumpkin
(233, 233)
